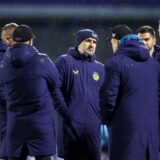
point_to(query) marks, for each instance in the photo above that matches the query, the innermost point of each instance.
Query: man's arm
(54, 84)
(3, 114)
(109, 91)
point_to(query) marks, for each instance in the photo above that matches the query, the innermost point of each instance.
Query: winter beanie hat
(84, 34)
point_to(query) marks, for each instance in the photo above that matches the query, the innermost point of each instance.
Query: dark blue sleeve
(158, 68)
(53, 81)
(109, 91)
(3, 114)
(61, 67)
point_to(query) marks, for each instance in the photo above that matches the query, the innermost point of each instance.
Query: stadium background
(56, 22)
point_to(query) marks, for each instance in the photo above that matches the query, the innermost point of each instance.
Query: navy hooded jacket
(3, 112)
(131, 103)
(81, 79)
(29, 79)
(3, 48)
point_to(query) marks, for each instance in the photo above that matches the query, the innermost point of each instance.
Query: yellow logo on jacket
(95, 76)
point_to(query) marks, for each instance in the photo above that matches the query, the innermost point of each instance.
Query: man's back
(138, 88)
(132, 96)
(3, 114)
(26, 78)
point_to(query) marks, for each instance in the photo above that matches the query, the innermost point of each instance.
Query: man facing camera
(81, 79)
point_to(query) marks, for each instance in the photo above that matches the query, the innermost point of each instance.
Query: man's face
(148, 40)
(88, 46)
(114, 43)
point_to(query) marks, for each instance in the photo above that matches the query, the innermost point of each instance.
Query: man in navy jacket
(6, 41)
(29, 79)
(131, 98)
(81, 79)
(3, 113)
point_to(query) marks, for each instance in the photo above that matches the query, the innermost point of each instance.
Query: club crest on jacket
(95, 76)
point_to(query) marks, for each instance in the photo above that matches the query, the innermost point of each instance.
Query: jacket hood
(74, 52)
(20, 54)
(134, 50)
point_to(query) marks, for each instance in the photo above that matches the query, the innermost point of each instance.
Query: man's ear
(118, 41)
(7, 39)
(155, 40)
(31, 42)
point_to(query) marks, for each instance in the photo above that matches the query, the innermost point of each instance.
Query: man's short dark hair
(23, 33)
(146, 29)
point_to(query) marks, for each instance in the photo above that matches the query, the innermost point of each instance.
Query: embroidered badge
(95, 76)
(113, 35)
(94, 35)
(75, 71)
